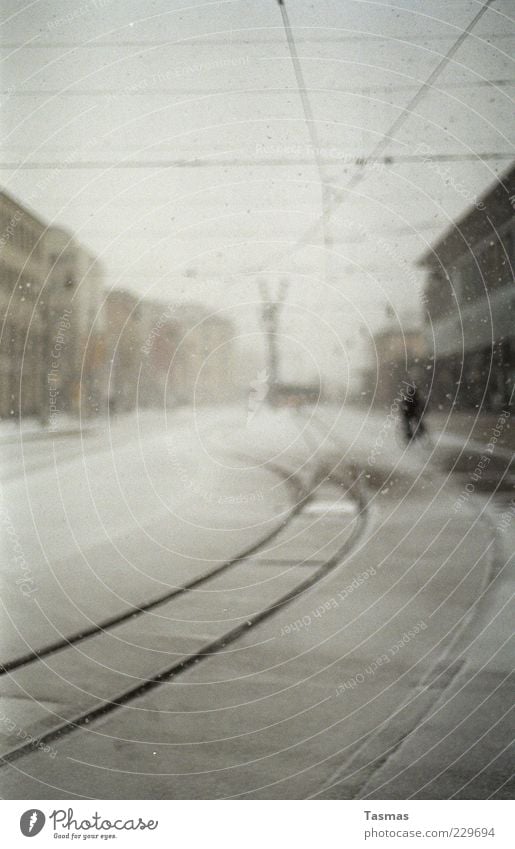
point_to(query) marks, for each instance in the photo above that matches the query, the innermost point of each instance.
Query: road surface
(202, 606)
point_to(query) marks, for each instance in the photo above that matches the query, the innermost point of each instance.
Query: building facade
(23, 276)
(124, 336)
(162, 355)
(52, 325)
(68, 348)
(75, 326)
(166, 355)
(205, 363)
(470, 304)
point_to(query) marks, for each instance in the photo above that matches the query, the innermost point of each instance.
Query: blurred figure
(412, 412)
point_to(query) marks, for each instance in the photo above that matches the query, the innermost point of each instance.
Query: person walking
(412, 411)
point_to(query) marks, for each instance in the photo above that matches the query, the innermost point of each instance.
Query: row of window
(485, 270)
(490, 269)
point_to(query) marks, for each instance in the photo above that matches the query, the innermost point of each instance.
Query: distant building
(68, 348)
(166, 354)
(161, 356)
(124, 338)
(206, 367)
(216, 378)
(23, 274)
(51, 337)
(75, 325)
(470, 311)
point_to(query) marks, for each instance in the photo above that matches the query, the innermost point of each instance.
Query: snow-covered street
(299, 592)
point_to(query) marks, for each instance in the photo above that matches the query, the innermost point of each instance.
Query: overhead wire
(311, 127)
(144, 92)
(206, 162)
(339, 195)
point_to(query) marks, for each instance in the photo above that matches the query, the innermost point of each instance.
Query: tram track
(302, 497)
(133, 687)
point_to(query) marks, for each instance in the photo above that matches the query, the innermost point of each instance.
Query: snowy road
(215, 617)
(95, 525)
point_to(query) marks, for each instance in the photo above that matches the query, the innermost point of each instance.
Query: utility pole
(270, 312)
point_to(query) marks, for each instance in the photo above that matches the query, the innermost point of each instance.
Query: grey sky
(122, 96)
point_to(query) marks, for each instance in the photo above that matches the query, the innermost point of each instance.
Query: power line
(252, 162)
(143, 92)
(415, 100)
(301, 88)
(308, 118)
(388, 136)
(200, 40)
